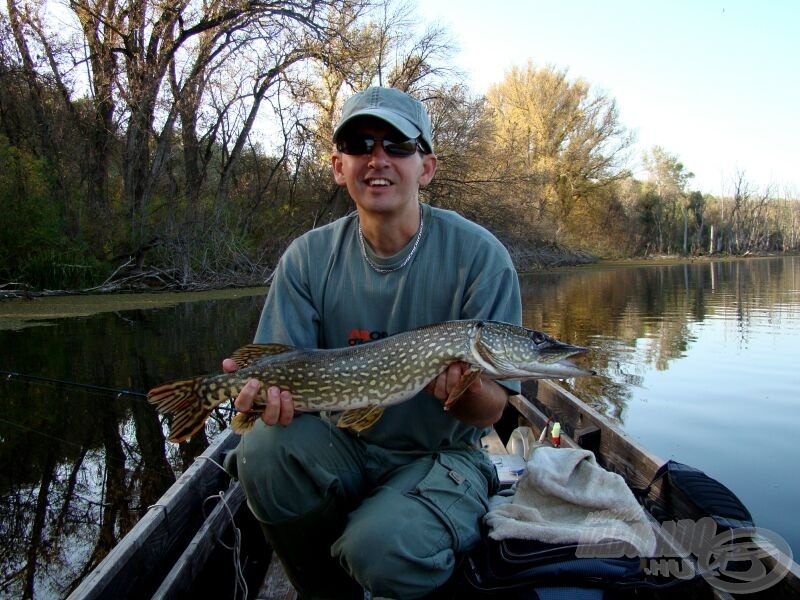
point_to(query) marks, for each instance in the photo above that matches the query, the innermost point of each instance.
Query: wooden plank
(276, 583)
(134, 567)
(617, 452)
(193, 560)
(537, 419)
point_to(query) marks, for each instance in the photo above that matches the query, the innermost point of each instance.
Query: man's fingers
(446, 381)
(278, 404)
(229, 365)
(287, 408)
(272, 409)
(453, 373)
(244, 401)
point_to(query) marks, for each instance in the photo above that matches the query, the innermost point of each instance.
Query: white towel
(565, 497)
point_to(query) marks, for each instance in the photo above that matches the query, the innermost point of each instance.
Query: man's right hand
(279, 406)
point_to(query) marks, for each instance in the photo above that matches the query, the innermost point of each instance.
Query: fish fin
(467, 379)
(182, 401)
(247, 354)
(244, 421)
(359, 419)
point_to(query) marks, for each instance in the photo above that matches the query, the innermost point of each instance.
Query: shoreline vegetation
(153, 280)
(19, 312)
(21, 307)
(190, 160)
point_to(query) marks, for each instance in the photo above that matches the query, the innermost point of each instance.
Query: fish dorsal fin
(359, 419)
(247, 354)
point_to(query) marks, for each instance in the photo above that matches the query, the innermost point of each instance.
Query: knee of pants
(279, 480)
(399, 555)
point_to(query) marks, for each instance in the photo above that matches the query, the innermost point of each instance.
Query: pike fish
(363, 380)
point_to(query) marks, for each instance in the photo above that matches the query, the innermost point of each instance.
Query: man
(388, 509)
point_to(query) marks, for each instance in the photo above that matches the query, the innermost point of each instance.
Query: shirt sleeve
(289, 315)
(494, 294)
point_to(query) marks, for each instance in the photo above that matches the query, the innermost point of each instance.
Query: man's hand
(279, 406)
(481, 404)
(448, 380)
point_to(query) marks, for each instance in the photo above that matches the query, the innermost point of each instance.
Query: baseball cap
(398, 109)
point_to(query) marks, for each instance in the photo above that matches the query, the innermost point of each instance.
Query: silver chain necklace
(408, 258)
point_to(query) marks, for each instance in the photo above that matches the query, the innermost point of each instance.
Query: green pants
(404, 516)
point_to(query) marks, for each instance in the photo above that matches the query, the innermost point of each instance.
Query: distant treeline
(184, 145)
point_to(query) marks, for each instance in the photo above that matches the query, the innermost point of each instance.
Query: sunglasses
(359, 145)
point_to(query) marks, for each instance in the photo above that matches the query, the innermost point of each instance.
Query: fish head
(509, 351)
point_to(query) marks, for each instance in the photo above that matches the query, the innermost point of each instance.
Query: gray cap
(398, 109)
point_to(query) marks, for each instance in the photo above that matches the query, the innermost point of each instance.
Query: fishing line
(236, 547)
(98, 389)
(22, 427)
(81, 446)
(11, 375)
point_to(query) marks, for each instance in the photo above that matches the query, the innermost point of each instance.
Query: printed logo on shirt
(362, 336)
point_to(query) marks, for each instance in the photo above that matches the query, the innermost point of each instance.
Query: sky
(714, 82)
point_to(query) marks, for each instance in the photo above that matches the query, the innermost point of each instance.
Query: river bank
(138, 293)
(19, 312)
(21, 308)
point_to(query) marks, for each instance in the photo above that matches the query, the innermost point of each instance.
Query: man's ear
(429, 164)
(336, 166)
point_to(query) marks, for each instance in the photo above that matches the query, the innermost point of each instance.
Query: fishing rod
(119, 393)
(11, 375)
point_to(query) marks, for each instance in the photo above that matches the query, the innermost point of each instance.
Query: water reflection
(635, 318)
(694, 360)
(79, 468)
(697, 361)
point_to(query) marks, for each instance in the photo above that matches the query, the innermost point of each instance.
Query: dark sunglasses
(359, 145)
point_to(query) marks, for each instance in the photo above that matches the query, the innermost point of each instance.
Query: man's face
(379, 181)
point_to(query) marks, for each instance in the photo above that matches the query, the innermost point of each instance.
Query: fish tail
(182, 400)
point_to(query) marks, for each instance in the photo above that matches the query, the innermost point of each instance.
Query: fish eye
(538, 337)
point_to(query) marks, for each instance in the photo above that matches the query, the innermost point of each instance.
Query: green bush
(34, 248)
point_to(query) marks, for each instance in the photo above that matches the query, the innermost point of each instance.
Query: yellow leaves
(557, 138)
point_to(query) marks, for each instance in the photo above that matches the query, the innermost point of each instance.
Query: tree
(667, 198)
(562, 140)
(378, 50)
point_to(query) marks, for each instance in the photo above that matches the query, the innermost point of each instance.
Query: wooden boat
(169, 549)
(584, 427)
(167, 552)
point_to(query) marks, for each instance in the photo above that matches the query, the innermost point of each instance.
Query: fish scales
(368, 377)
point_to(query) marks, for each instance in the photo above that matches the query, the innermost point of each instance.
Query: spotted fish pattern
(363, 380)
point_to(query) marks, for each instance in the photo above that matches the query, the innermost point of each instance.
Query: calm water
(697, 361)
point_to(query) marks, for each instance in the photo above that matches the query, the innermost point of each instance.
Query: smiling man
(387, 509)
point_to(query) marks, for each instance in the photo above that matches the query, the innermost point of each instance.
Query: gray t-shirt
(325, 295)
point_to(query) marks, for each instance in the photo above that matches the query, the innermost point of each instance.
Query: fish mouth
(575, 370)
(560, 369)
(555, 361)
(560, 350)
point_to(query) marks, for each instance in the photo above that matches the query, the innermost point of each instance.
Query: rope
(236, 547)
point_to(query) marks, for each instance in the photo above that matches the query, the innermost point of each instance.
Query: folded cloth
(565, 497)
